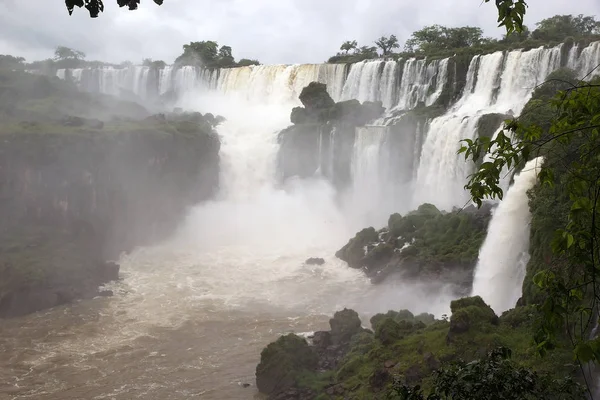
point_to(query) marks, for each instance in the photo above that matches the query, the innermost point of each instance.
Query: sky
(272, 31)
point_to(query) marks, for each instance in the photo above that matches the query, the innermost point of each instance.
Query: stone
(344, 325)
(106, 293)
(389, 364)
(321, 339)
(282, 361)
(315, 97)
(315, 261)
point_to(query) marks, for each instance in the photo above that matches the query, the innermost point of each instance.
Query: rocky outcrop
(284, 362)
(424, 244)
(75, 193)
(322, 135)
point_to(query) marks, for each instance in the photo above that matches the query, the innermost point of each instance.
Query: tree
(517, 37)
(11, 62)
(66, 53)
(199, 53)
(225, 57)
(349, 45)
(95, 7)
(387, 44)
(438, 38)
(245, 62)
(367, 52)
(561, 26)
(158, 64)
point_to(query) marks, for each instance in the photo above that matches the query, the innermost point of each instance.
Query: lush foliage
(563, 128)
(209, 54)
(407, 355)
(95, 7)
(495, 376)
(436, 38)
(387, 44)
(561, 26)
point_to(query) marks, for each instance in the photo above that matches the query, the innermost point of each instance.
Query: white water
(505, 253)
(496, 83)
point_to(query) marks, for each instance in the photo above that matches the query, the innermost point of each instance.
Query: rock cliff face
(322, 135)
(71, 200)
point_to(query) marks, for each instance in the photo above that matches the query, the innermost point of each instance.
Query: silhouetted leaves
(95, 7)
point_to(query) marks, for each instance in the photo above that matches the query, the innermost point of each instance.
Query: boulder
(344, 325)
(315, 97)
(355, 250)
(315, 261)
(281, 362)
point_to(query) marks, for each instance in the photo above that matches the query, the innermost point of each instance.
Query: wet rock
(344, 325)
(315, 261)
(108, 271)
(321, 339)
(281, 362)
(355, 250)
(315, 97)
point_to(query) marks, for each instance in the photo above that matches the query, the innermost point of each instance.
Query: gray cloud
(274, 31)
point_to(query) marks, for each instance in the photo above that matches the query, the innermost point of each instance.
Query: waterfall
(585, 61)
(421, 81)
(371, 168)
(496, 83)
(418, 79)
(505, 253)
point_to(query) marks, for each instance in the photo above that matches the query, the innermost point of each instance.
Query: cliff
(76, 192)
(322, 135)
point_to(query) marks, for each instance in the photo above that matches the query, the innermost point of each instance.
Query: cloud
(273, 31)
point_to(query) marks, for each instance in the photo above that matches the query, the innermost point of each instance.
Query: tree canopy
(435, 38)
(95, 7)
(207, 53)
(387, 44)
(561, 26)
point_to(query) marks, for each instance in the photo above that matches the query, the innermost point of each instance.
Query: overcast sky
(273, 31)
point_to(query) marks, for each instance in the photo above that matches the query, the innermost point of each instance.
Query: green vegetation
(561, 123)
(450, 359)
(437, 41)
(208, 54)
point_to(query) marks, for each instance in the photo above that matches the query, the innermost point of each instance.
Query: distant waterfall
(381, 81)
(505, 253)
(500, 82)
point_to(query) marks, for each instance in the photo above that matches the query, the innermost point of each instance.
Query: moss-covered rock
(354, 252)
(468, 313)
(283, 362)
(344, 325)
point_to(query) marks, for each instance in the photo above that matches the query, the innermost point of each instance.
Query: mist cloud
(273, 31)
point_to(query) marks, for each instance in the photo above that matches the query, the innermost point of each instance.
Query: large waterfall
(505, 253)
(500, 83)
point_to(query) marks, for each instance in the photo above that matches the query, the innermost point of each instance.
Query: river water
(190, 316)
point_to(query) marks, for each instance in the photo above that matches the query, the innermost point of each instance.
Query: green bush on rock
(282, 362)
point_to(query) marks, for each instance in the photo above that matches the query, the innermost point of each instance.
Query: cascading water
(505, 253)
(370, 173)
(496, 83)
